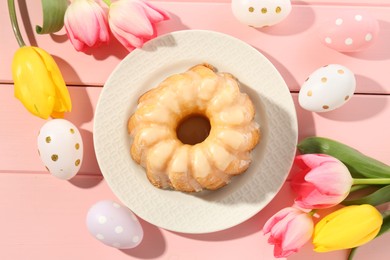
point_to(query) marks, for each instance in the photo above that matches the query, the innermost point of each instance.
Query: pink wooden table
(44, 218)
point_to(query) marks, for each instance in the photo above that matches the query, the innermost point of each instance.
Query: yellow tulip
(39, 84)
(348, 227)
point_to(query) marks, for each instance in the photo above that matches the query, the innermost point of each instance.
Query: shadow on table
(299, 20)
(86, 181)
(353, 110)
(82, 113)
(284, 198)
(283, 70)
(306, 252)
(82, 104)
(153, 243)
(370, 84)
(380, 47)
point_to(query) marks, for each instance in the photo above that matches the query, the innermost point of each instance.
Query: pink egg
(349, 31)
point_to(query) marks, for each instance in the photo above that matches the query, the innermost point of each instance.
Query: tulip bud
(289, 230)
(348, 227)
(321, 181)
(86, 24)
(133, 22)
(39, 84)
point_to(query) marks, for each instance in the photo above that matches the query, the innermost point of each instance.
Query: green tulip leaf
(352, 253)
(358, 164)
(384, 228)
(53, 16)
(376, 198)
(359, 187)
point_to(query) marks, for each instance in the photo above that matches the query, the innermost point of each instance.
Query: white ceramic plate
(207, 211)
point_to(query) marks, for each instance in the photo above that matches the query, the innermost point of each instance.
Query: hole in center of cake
(193, 129)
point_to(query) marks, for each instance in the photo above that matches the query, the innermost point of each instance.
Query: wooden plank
(44, 218)
(291, 46)
(352, 124)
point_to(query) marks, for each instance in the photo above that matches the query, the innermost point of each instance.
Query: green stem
(371, 181)
(14, 22)
(107, 2)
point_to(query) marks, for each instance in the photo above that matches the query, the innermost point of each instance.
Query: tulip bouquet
(322, 177)
(38, 81)
(132, 22)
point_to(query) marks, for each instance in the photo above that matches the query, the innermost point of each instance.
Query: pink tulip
(289, 229)
(86, 24)
(132, 22)
(321, 181)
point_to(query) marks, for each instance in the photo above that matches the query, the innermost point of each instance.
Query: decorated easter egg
(349, 31)
(60, 148)
(260, 13)
(114, 225)
(327, 88)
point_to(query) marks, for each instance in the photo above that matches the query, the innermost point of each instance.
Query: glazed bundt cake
(181, 165)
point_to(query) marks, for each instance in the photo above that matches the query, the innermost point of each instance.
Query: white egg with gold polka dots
(260, 13)
(60, 148)
(327, 88)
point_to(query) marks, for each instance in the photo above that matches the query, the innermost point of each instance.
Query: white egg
(114, 225)
(327, 88)
(260, 13)
(61, 148)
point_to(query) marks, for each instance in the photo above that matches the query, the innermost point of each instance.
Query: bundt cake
(182, 165)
